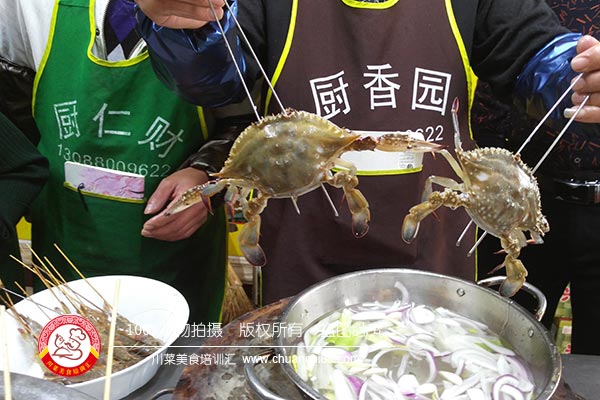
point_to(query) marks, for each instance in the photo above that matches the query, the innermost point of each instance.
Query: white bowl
(156, 307)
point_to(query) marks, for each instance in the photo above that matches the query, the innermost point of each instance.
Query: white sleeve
(24, 30)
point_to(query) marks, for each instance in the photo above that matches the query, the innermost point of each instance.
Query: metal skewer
(264, 74)
(539, 125)
(254, 56)
(560, 135)
(237, 67)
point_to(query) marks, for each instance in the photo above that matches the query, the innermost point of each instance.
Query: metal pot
(502, 315)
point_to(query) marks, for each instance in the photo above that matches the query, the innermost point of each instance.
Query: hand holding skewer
(181, 14)
(586, 62)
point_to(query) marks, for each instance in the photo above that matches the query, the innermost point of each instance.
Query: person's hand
(180, 225)
(181, 14)
(587, 61)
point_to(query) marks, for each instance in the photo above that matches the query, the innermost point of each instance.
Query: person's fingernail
(579, 63)
(569, 112)
(149, 208)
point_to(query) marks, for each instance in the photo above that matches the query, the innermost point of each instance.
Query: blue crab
(285, 156)
(500, 194)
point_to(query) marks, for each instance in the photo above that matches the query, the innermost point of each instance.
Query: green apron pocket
(103, 231)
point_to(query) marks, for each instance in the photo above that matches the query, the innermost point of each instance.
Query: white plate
(156, 307)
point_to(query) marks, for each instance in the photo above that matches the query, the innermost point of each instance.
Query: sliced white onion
(453, 391)
(422, 315)
(375, 371)
(301, 358)
(507, 385)
(362, 395)
(476, 394)
(497, 348)
(427, 388)
(451, 377)
(336, 354)
(355, 382)
(407, 351)
(422, 341)
(405, 296)
(369, 316)
(341, 386)
(408, 384)
(376, 357)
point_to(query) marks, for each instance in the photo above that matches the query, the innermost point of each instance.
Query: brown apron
(363, 69)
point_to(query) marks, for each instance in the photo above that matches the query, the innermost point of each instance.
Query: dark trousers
(570, 253)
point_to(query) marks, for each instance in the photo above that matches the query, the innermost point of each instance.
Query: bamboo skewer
(7, 385)
(38, 272)
(67, 297)
(79, 272)
(111, 341)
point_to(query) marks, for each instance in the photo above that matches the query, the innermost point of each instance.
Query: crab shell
(502, 192)
(286, 155)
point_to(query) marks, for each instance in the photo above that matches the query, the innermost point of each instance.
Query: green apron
(117, 115)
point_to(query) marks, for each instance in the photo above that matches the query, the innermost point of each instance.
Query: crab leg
(358, 205)
(410, 226)
(335, 211)
(515, 270)
(442, 181)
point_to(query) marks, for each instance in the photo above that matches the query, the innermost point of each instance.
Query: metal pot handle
(161, 393)
(254, 381)
(527, 287)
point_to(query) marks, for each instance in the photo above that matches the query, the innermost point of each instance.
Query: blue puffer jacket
(195, 63)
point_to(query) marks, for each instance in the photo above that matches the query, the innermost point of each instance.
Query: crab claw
(200, 193)
(359, 208)
(405, 142)
(360, 223)
(248, 241)
(515, 277)
(410, 228)
(188, 198)
(254, 254)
